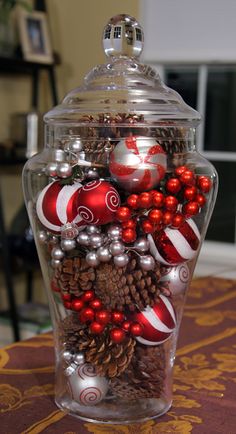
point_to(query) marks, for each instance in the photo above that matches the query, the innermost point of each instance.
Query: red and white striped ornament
(174, 246)
(57, 205)
(138, 163)
(158, 322)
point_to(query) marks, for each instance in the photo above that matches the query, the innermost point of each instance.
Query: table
(204, 380)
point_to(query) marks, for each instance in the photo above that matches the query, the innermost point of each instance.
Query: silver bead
(141, 244)
(57, 253)
(116, 248)
(114, 232)
(58, 155)
(176, 278)
(103, 254)
(70, 369)
(55, 263)
(147, 262)
(121, 260)
(76, 145)
(64, 170)
(92, 259)
(42, 237)
(91, 174)
(83, 239)
(96, 240)
(78, 359)
(92, 229)
(51, 169)
(67, 356)
(68, 245)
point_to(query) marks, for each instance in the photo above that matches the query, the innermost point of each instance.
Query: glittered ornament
(138, 163)
(57, 205)
(86, 387)
(176, 278)
(98, 202)
(174, 246)
(158, 322)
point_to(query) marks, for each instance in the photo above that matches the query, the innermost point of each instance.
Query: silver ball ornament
(176, 278)
(141, 244)
(42, 237)
(64, 170)
(76, 145)
(51, 169)
(53, 240)
(147, 262)
(114, 232)
(121, 260)
(55, 263)
(67, 356)
(91, 174)
(57, 253)
(103, 254)
(92, 229)
(83, 239)
(58, 155)
(116, 248)
(96, 240)
(87, 388)
(79, 359)
(68, 245)
(92, 259)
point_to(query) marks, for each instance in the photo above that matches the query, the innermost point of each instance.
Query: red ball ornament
(87, 315)
(158, 199)
(88, 296)
(177, 220)
(173, 185)
(147, 226)
(174, 246)
(171, 203)
(167, 218)
(57, 205)
(130, 224)
(77, 304)
(95, 304)
(179, 170)
(145, 200)
(190, 193)
(191, 208)
(158, 322)
(54, 287)
(204, 183)
(67, 304)
(98, 202)
(200, 199)
(156, 216)
(117, 317)
(66, 296)
(117, 335)
(103, 316)
(128, 235)
(96, 328)
(126, 325)
(136, 329)
(132, 201)
(138, 163)
(123, 214)
(188, 178)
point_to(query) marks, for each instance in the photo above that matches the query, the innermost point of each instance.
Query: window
(138, 34)
(117, 32)
(107, 34)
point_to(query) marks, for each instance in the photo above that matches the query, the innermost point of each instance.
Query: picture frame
(34, 37)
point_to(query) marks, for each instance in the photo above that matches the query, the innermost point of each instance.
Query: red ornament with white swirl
(176, 278)
(57, 205)
(158, 322)
(98, 202)
(86, 387)
(174, 246)
(138, 163)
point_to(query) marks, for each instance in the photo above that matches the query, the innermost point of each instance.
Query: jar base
(110, 412)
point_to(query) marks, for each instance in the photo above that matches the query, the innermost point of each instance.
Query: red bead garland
(128, 235)
(117, 335)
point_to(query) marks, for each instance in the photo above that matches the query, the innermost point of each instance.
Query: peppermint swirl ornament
(176, 278)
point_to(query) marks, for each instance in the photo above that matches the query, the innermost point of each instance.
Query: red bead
(130, 224)
(103, 316)
(204, 183)
(77, 304)
(117, 335)
(87, 315)
(145, 200)
(171, 203)
(123, 214)
(178, 220)
(188, 178)
(132, 201)
(54, 287)
(173, 185)
(117, 317)
(96, 328)
(179, 170)
(147, 226)
(190, 193)
(88, 296)
(158, 199)
(126, 325)
(67, 304)
(200, 199)
(128, 235)
(167, 218)
(191, 208)
(156, 216)
(95, 304)
(66, 296)
(136, 329)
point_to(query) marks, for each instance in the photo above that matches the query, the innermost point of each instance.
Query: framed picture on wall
(34, 37)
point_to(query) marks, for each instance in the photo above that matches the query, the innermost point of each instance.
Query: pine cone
(74, 275)
(145, 375)
(128, 287)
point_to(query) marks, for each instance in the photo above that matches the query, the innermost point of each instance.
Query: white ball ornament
(92, 259)
(96, 241)
(116, 248)
(92, 229)
(57, 253)
(121, 260)
(42, 237)
(86, 387)
(114, 232)
(83, 239)
(177, 278)
(103, 254)
(147, 262)
(141, 244)
(68, 245)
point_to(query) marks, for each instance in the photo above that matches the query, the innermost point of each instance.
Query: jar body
(119, 212)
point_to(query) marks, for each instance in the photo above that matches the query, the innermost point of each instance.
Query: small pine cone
(129, 287)
(145, 375)
(72, 333)
(74, 276)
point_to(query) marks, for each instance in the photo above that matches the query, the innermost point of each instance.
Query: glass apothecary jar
(119, 202)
